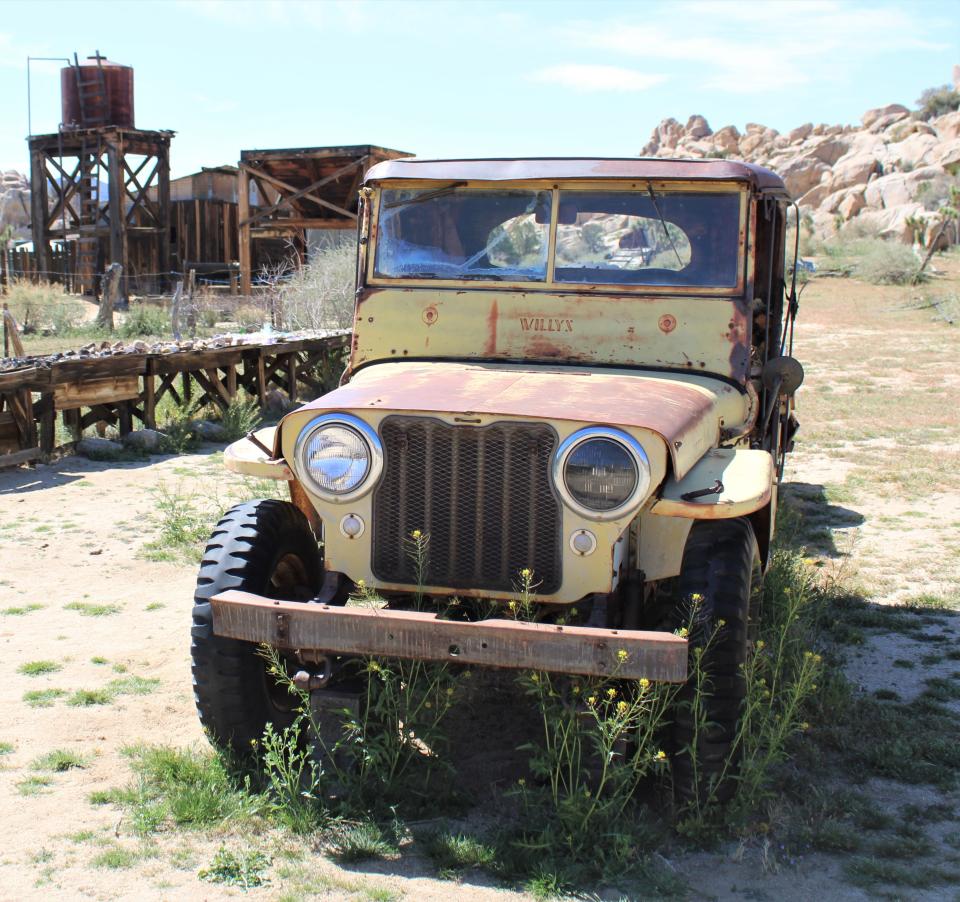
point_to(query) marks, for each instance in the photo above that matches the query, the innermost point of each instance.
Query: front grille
(482, 494)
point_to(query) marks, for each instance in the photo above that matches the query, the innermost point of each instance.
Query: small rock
(140, 347)
(208, 431)
(145, 439)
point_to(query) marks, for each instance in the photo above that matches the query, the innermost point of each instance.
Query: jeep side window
(463, 234)
(619, 237)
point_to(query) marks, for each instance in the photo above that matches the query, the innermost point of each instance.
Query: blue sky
(474, 79)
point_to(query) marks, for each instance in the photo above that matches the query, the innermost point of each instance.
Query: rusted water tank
(95, 93)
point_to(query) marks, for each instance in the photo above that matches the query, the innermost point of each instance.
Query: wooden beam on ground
(20, 457)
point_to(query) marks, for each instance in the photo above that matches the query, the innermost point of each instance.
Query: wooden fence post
(111, 294)
(175, 311)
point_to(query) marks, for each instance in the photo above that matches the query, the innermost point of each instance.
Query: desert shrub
(250, 317)
(888, 263)
(145, 320)
(43, 306)
(869, 258)
(241, 417)
(935, 102)
(319, 295)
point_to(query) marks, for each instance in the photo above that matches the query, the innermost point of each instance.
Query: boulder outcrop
(891, 173)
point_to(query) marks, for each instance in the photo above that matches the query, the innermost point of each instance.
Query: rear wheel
(720, 571)
(267, 548)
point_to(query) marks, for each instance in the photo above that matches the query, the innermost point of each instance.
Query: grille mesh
(482, 494)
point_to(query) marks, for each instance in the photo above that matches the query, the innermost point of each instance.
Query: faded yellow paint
(745, 476)
(554, 321)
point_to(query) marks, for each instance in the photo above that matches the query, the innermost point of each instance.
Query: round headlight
(602, 473)
(338, 456)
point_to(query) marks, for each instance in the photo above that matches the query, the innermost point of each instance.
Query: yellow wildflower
(576, 688)
(683, 632)
(591, 699)
(361, 584)
(622, 655)
(534, 677)
(622, 708)
(644, 684)
(661, 755)
(416, 534)
(611, 693)
(525, 573)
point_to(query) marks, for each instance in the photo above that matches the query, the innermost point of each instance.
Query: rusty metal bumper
(330, 629)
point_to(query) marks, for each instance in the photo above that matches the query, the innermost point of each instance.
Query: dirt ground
(874, 474)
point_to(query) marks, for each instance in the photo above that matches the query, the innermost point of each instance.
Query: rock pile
(15, 203)
(161, 346)
(889, 173)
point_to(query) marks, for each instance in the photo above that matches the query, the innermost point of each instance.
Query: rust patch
(430, 315)
(674, 409)
(490, 348)
(667, 323)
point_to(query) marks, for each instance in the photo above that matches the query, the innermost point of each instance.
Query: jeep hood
(687, 411)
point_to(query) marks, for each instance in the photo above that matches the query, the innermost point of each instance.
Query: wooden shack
(297, 190)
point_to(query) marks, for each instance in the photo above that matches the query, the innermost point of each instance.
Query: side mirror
(783, 375)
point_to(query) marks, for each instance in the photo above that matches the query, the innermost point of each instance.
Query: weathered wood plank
(627, 654)
(89, 392)
(19, 457)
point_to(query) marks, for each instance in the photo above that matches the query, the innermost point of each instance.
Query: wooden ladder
(92, 94)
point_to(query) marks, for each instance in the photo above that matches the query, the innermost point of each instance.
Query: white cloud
(741, 47)
(589, 79)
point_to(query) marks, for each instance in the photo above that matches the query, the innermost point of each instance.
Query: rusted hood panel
(686, 411)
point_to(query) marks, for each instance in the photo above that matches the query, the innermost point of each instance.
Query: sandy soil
(74, 531)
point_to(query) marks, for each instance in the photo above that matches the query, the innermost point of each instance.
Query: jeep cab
(566, 375)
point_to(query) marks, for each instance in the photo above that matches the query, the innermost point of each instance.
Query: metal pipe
(30, 59)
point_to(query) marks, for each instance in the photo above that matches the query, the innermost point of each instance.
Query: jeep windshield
(463, 234)
(637, 237)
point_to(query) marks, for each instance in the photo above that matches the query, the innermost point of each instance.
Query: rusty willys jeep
(575, 367)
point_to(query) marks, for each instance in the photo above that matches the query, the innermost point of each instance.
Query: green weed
(85, 698)
(453, 853)
(21, 610)
(42, 698)
(88, 609)
(359, 841)
(116, 858)
(246, 869)
(34, 785)
(60, 760)
(38, 668)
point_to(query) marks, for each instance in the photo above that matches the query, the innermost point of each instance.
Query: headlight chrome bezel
(366, 434)
(634, 449)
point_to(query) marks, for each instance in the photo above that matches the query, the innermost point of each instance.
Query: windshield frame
(549, 284)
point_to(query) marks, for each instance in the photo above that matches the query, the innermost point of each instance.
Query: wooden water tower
(100, 185)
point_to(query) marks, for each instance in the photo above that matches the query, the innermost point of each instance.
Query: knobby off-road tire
(721, 567)
(268, 548)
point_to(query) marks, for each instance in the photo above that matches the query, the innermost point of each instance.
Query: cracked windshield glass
(650, 238)
(455, 234)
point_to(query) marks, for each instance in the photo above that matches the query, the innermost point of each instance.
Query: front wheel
(268, 548)
(712, 597)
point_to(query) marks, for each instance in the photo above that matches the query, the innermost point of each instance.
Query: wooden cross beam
(140, 198)
(296, 193)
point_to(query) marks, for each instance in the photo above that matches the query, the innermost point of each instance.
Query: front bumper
(517, 645)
